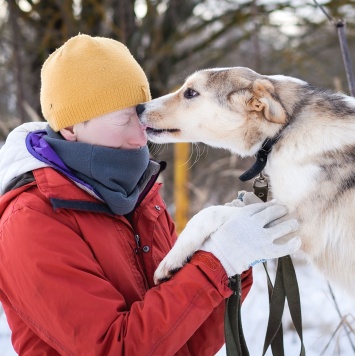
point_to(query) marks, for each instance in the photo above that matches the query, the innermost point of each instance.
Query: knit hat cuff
(104, 102)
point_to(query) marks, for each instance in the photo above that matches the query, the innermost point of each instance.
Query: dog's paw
(198, 229)
(167, 267)
(162, 274)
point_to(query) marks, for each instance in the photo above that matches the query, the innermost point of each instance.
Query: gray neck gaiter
(118, 175)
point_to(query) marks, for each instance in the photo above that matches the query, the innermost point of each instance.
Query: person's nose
(140, 108)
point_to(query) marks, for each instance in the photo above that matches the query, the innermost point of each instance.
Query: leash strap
(277, 304)
(277, 344)
(293, 297)
(233, 331)
(285, 287)
(261, 189)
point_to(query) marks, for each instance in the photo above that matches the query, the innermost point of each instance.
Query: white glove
(244, 239)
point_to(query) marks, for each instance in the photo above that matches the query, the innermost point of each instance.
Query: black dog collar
(261, 159)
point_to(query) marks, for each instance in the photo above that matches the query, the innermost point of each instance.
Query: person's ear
(69, 133)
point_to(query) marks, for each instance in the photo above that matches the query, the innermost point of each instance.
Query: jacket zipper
(138, 244)
(140, 263)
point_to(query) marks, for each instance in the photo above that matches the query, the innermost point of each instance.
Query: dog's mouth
(154, 132)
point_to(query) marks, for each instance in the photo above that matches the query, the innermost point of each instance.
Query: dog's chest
(291, 181)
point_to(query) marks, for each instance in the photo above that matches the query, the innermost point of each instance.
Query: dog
(311, 164)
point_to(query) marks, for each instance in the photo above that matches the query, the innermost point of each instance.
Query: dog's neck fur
(291, 108)
(312, 131)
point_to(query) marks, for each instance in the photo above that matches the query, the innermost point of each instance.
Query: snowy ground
(5, 334)
(322, 334)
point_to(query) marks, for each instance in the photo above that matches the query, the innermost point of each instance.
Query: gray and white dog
(311, 166)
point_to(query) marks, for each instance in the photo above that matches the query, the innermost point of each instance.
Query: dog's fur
(311, 167)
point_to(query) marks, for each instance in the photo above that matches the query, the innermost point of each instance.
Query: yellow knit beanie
(89, 77)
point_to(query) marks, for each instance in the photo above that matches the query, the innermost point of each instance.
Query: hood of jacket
(15, 159)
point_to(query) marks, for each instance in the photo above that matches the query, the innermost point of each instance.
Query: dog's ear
(263, 100)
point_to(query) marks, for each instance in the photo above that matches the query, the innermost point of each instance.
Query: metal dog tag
(261, 187)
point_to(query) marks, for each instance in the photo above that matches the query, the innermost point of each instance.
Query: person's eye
(122, 121)
(190, 93)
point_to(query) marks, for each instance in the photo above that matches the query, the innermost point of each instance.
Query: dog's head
(233, 108)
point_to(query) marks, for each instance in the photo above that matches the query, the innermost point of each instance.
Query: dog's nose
(140, 108)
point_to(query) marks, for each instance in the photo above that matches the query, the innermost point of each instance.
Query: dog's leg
(197, 230)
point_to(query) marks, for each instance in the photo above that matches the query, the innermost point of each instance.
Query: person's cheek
(115, 137)
(100, 134)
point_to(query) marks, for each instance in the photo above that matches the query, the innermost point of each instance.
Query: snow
(5, 335)
(320, 318)
(323, 330)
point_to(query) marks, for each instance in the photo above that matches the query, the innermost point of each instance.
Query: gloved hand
(245, 239)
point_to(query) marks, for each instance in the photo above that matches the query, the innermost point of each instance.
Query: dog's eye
(190, 93)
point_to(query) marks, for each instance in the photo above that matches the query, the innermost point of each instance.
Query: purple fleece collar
(39, 148)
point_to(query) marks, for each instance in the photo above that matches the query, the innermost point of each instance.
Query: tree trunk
(15, 35)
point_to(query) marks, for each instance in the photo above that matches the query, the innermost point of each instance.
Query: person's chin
(145, 138)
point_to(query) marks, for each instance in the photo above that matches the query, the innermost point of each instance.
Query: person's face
(119, 129)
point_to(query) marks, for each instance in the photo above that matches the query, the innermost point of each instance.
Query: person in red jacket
(83, 227)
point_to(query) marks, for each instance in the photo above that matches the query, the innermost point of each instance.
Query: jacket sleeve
(53, 282)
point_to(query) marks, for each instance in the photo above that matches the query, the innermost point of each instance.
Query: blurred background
(171, 39)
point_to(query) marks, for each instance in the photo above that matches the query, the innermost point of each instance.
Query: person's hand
(246, 239)
(197, 230)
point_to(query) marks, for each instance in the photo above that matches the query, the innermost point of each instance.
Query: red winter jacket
(77, 280)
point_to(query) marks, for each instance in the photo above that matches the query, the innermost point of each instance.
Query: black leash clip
(261, 187)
